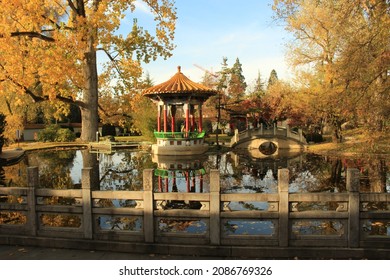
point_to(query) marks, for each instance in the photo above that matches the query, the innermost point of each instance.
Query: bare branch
(72, 6)
(31, 34)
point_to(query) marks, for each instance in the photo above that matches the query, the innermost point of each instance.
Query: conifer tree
(273, 78)
(237, 84)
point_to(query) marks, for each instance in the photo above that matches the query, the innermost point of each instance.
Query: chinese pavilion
(179, 115)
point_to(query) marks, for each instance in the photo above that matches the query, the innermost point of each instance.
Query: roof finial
(179, 68)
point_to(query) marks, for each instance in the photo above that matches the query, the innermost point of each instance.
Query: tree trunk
(90, 160)
(89, 112)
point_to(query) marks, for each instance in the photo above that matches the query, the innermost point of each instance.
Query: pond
(122, 170)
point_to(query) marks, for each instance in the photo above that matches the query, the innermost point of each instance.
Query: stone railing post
(148, 205)
(215, 208)
(236, 136)
(86, 183)
(353, 184)
(283, 179)
(261, 129)
(32, 183)
(300, 133)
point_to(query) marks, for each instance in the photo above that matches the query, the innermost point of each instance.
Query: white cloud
(142, 7)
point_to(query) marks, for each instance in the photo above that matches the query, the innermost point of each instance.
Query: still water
(122, 170)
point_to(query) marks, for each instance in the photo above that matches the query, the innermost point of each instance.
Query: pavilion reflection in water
(180, 173)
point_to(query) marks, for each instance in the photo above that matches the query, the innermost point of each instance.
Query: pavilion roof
(179, 86)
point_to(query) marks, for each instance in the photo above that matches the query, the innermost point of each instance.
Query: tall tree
(343, 45)
(273, 78)
(49, 49)
(258, 88)
(143, 110)
(237, 84)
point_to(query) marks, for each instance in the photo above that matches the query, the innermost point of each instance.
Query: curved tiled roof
(179, 86)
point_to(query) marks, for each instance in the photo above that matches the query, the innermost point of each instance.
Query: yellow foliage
(14, 123)
(48, 48)
(341, 48)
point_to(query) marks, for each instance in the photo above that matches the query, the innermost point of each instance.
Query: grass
(355, 142)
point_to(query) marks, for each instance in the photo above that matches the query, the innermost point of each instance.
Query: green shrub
(54, 133)
(65, 135)
(48, 134)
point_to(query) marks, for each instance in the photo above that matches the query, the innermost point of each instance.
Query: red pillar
(159, 184)
(166, 185)
(192, 113)
(165, 118)
(187, 109)
(158, 117)
(200, 126)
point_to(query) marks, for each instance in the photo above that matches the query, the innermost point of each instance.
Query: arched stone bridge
(268, 141)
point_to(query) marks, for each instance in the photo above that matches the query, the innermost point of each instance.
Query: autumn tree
(343, 47)
(48, 50)
(143, 110)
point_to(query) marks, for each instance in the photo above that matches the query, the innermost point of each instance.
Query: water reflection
(180, 174)
(240, 173)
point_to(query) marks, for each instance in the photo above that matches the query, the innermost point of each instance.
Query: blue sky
(208, 30)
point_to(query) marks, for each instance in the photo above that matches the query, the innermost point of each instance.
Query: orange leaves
(48, 50)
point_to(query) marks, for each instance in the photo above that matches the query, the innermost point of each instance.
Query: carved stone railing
(347, 220)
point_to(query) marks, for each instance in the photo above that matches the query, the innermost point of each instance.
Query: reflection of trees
(54, 168)
(249, 206)
(57, 220)
(119, 223)
(327, 227)
(55, 177)
(14, 179)
(335, 174)
(171, 225)
(378, 228)
(15, 175)
(55, 173)
(52, 157)
(318, 174)
(230, 174)
(127, 173)
(374, 176)
(12, 218)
